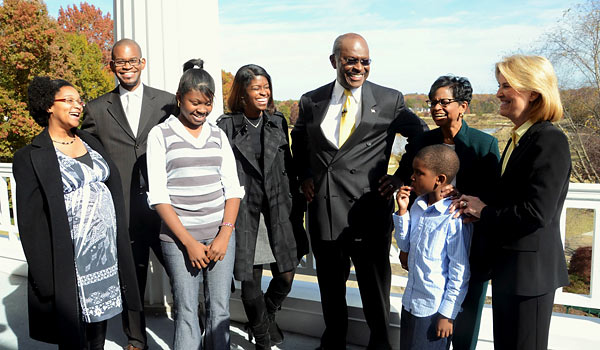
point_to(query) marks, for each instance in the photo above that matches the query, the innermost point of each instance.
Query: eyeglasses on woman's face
(444, 102)
(71, 101)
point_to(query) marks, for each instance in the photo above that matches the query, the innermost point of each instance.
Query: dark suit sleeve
(34, 225)
(89, 121)
(546, 167)
(300, 145)
(410, 126)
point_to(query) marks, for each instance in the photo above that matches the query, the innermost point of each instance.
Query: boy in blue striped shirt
(434, 249)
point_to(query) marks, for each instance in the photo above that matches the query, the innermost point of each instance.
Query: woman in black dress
(269, 227)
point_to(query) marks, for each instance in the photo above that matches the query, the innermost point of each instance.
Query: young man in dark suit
(341, 145)
(121, 120)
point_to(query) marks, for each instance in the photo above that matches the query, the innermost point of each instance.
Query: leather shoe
(131, 347)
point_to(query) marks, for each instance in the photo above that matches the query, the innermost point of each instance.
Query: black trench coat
(45, 234)
(287, 235)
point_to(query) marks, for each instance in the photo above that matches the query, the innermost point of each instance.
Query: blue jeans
(185, 286)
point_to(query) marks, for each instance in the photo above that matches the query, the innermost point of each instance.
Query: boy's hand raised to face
(402, 198)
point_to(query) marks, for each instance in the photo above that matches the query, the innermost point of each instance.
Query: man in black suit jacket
(121, 120)
(349, 193)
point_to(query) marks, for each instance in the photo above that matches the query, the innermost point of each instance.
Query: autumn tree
(289, 109)
(483, 104)
(227, 81)
(25, 51)
(92, 23)
(25, 44)
(86, 67)
(294, 112)
(33, 44)
(573, 46)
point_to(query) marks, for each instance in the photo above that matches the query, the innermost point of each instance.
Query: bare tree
(573, 46)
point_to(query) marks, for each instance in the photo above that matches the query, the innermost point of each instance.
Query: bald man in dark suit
(341, 144)
(121, 120)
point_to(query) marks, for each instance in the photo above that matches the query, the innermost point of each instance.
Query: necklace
(65, 142)
(254, 125)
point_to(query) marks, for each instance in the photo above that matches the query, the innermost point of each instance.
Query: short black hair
(243, 78)
(122, 42)
(40, 96)
(196, 78)
(460, 86)
(440, 159)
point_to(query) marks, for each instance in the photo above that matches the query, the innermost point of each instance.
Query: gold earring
(178, 103)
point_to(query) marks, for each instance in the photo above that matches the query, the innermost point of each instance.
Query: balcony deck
(301, 314)
(566, 331)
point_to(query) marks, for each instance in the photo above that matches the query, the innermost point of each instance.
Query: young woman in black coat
(71, 224)
(269, 227)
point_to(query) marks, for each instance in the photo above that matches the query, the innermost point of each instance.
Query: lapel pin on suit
(372, 110)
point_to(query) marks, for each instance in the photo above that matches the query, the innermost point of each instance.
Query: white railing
(584, 196)
(11, 252)
(580, 196)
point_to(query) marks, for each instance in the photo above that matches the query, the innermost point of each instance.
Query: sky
(411, 42)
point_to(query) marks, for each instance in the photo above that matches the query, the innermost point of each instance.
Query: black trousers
(373, 273)
(143, 231)
(420, 333)
(521, 322)
(466, 327)
(94, 335)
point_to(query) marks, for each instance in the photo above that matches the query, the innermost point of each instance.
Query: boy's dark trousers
(420, 333)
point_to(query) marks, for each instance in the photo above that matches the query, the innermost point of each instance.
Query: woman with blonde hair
(523, 217)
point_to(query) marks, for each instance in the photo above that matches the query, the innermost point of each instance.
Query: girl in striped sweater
(193, 185)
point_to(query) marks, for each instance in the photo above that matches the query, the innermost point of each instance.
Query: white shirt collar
(338, 93)
(139, 92)
(441, 206)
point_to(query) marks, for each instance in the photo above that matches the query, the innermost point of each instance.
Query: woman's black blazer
(523, 218)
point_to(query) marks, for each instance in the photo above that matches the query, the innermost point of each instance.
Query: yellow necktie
(348, 118)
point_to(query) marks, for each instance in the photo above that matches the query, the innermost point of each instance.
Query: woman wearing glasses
(69, 207)
(269, 230)
(449, 98)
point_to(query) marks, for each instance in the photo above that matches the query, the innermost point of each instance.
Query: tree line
(76, 47)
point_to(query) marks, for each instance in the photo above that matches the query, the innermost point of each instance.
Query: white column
(170, 32)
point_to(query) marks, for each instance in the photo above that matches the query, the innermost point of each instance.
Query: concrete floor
(14, 326)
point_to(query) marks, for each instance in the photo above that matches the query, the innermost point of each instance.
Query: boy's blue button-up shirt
(438, 259)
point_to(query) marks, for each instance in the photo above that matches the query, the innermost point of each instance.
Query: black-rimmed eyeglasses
(132, 62)
(444, 102)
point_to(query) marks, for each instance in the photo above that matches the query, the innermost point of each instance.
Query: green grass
(579, 221)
